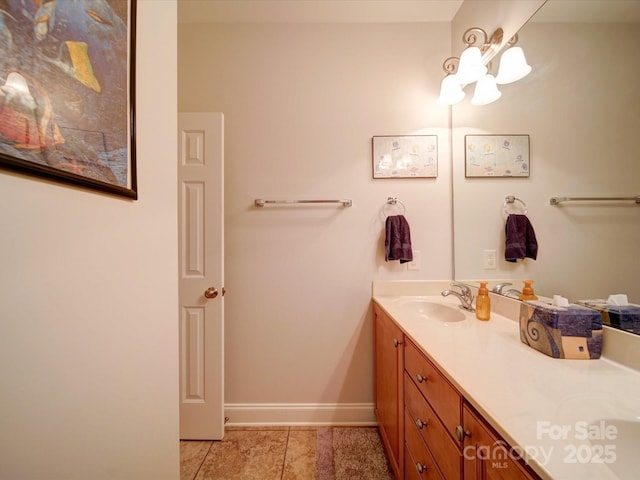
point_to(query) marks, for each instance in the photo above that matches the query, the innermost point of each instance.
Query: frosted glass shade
(470, 67)
(450, 91)
(486, 91)
(513, 66)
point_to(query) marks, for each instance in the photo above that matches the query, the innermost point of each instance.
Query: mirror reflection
(579, 105)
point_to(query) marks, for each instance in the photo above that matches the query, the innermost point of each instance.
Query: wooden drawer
(444, 450)
(440, 394)
(417, 457)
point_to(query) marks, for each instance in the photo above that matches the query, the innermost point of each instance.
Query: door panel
(201, 256)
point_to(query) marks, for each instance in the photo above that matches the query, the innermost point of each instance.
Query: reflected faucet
(464, 295)
(500, 286)
(511, 292)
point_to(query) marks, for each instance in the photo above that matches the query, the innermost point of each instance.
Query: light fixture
(513, 64)
(486, 91)
(450, 91)
(471, 67)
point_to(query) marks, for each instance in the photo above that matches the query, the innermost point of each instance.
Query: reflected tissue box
(623, 317)
(561, 332)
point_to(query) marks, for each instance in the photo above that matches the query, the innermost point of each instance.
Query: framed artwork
(67, 83)
(405, 156)
(496, 155)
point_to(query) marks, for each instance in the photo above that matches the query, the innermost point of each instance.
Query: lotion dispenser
(483, 303)
(527, 291)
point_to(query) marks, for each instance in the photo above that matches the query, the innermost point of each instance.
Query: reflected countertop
(551, 410)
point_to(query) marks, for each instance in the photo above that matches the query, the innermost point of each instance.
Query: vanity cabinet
(486, 455)
(388, 388)
(428, 429)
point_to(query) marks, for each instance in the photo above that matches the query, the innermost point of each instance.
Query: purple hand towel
(521, 239)
(397, 241)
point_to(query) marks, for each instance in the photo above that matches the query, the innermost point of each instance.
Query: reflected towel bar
(260, 202)
(559, 200)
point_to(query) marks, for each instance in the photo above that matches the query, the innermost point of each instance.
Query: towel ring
(395, 201)
(510, 199)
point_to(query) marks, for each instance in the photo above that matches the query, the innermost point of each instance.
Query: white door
(201, 282)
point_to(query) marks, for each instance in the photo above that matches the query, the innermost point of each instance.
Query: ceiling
(381, 11)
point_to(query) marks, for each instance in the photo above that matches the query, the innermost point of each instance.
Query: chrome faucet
(464, 295)
(500, 286)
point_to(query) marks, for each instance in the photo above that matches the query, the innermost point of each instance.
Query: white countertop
(541, 406)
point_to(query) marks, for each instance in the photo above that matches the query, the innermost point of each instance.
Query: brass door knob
(211, 292)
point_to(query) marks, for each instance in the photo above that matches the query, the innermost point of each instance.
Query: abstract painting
(67, 92)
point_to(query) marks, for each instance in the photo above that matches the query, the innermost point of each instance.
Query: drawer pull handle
(396, 342)
(420, 424)
(420, 467)
(420, 378)
(461, 433)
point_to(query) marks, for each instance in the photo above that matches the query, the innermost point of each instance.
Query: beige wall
(301, 103)
(88, 302)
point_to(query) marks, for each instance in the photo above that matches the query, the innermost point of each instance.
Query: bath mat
(348, 453)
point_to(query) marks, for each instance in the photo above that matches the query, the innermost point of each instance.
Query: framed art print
(405, 156)
(496, 155)
(67, 85)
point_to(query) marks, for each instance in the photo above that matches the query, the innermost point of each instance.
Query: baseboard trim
(300, 414)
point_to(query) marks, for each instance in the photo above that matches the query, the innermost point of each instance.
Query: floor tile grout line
(284, 457)
(204, 457)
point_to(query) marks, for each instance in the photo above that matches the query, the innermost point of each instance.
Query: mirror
(579, 106)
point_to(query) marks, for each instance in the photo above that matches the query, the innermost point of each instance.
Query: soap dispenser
(483, 303)
(527, 291)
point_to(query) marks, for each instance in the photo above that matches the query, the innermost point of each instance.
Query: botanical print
(405, 156)
(497, 155)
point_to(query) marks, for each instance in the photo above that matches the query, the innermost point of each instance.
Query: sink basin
(431, 310)
(616, 441)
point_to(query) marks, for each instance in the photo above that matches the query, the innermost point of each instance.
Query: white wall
(301, 104)
(88, 304)
(576, 105)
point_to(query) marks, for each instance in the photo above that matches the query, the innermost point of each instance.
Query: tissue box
(561, 332)
(625, 317)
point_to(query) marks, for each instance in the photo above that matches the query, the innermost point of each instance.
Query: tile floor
(287, 453)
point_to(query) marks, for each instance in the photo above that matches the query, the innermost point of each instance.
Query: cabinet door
(486, 455)
(388, 382)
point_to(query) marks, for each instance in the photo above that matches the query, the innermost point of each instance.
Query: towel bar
(559, 200)
(260, 202)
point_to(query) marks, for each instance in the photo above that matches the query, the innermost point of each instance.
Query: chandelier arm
(450, 65)
(470, 38)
